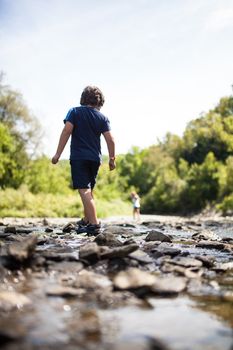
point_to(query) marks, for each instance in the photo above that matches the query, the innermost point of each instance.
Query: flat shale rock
(91, 280)
(107, 239)
(60, 256)
(206, 235)
(207, 260)
(210, 245)
(157, 236)
(169, 285)
(89, 252)
(67, 266)
(140, 343)
(60, 291)
(23, 250)
(133, 278)
(12, 300)
(68, 227)
(10, 229)
(186, 262)
(223, 266)
(118, 230)
(119, 252)
(190, 272)
(165, 250)
(142, 257)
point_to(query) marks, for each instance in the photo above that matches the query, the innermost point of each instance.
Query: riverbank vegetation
(177, 175)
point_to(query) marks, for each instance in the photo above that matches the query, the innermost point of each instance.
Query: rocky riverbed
(166, 283)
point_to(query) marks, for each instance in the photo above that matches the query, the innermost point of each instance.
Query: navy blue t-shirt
(89, 124)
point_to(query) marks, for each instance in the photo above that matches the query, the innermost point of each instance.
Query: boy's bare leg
(88, 205)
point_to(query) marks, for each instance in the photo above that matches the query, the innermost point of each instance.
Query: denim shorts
(84, 173)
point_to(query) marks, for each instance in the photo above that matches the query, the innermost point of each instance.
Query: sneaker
(93, 230)
(81, 229)
(82, 222)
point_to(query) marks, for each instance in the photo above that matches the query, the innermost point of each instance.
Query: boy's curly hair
(92, 96)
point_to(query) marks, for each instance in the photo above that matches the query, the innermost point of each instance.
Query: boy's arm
(65, 134)
(111, 149)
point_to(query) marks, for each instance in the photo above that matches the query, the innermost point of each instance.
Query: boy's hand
(112, 164)
(55, 159)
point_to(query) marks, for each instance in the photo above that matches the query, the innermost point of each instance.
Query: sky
(159, 63)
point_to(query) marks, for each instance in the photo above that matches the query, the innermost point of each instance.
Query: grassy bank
(22, 203)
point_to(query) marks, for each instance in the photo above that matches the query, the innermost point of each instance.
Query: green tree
(25, 134)
(212, 132)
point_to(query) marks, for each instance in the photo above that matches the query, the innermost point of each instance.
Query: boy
(86, 124)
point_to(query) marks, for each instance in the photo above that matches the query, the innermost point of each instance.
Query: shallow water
(194, 321)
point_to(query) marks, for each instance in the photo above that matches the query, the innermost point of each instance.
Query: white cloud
(220, 19)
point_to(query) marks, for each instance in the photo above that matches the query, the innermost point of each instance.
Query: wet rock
(107, 239)
(119, 252)
(11, 334)
(228, 239)
(27, 230)
(67, 266)
(117, 264)
(210, 245)
(153, 224)
(60, 291)
(140, 343)
(125, 224)
(165, 250)
(129, 241)
(157, 236)
(133, 278)
(89, 252)
(68, 227)
(142, 257)
(149, 246)
(223, 266)
(60, 256)
(182, 271)
(10, 229)
(12, 300)
(91, 280)
(206, 235)
(207, 260)
(23, 250)
(115, 229)
(186, 262)
(169, 285)
(48, 229)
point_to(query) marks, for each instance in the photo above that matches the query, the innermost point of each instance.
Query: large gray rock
(89, 252)
(142, 257)
(210, 245)
(23, 250)
(169, 285)
(61, 291)
(107, 239)
(133, 278)
(12, 300)
(10, 229)
(186, 262)
(91, 280)
(157, 236)
(119, 252)
(165, 250)
(206, 235)
(119, 230)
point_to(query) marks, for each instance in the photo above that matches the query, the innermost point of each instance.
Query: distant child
(136, 205)
(85, 124)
